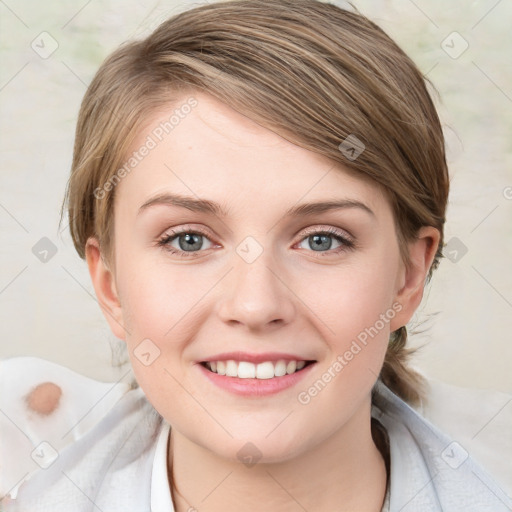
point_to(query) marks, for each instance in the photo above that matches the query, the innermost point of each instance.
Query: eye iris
(192, 242)
(320, 242)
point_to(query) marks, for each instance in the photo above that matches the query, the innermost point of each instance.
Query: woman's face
(217, 258)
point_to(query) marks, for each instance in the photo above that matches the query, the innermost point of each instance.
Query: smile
(247, 370)
(263, 376)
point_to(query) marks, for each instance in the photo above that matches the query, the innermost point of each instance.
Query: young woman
(259, 190)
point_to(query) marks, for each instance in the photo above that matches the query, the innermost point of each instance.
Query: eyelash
(347, 243)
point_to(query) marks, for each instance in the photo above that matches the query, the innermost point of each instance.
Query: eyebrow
(213, 208)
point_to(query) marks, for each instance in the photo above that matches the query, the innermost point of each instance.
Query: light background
(49, 310)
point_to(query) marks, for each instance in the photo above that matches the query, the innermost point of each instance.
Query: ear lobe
(104, 285)
(422, 252)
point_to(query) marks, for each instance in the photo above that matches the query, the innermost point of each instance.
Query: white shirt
(161, 500)
(117, 461)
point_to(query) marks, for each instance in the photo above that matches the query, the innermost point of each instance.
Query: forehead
(212, 151)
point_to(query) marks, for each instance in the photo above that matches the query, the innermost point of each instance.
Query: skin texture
(291, 298)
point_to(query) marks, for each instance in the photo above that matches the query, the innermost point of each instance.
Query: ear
(411, 282)
(104, 285)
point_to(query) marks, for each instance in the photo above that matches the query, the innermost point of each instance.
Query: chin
(255, 447)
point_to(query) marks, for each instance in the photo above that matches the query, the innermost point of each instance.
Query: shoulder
(479, 420)
(429, 470)
(56, 422)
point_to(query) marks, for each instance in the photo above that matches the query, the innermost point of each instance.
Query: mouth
(260, 371)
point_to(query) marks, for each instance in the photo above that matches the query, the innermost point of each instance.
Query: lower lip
(256, 387)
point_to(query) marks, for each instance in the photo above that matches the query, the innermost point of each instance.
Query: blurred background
(50, 52)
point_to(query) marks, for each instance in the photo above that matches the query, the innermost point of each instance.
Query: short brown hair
(310, 71)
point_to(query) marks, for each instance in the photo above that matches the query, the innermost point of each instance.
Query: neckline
(161, 498)
(161, 494)
(381, 439)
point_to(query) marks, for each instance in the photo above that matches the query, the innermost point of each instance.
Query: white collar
(161, 500)
(420, 476)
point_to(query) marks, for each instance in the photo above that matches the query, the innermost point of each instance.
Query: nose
(256, 295)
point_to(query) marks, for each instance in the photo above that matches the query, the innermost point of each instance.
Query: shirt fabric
(118, 461)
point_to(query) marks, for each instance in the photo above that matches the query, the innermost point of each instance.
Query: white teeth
(247, 370)
(265, 370)
(231, 368)
(291, 367)
(280, 368)
(221, 368)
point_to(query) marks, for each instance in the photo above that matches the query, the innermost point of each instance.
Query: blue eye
(189, 242)
(321, 241)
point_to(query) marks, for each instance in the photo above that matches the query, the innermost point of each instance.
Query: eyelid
(172, 233)
(331, 230)
(185, 228)
(163, 241)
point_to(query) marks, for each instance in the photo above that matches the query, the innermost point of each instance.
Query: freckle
(44, 398)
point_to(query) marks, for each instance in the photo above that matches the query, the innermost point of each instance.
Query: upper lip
(255, 358)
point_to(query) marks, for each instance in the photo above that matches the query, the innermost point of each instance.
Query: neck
(344, 472)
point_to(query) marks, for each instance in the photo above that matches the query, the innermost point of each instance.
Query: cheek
(356, 317)
(157, 299)
(164, 306)
(348, 300)
(355, 307)
(158, 309)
